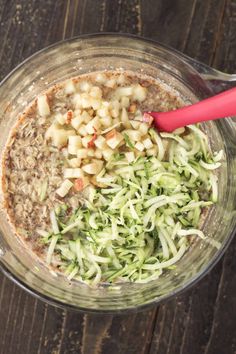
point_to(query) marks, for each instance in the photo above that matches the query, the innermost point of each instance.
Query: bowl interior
(96, 53)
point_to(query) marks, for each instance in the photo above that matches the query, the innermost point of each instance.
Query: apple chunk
(43, 106)
(93, 168)
(114, 138)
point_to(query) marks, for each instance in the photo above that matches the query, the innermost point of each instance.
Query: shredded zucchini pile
(140, 223)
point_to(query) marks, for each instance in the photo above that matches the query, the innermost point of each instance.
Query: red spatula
(219, 106)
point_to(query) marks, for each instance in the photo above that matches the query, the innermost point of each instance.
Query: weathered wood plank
(223, 329)
(167, 21)
(226, 46)
(203, 35)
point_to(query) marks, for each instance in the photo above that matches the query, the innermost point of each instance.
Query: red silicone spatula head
(219, 106)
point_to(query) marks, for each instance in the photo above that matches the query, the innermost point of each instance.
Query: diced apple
(110, 83)
(139, 146)
(96, 183)
(72, 149)
(101, 78)
(85, 117)
(77, 100)
(59, 136)
(125, 102)
(107, 153)
(75, 140)
(85, 86)
(106, 121)
(76, 122)
(75, 162)
(147, 118)
(111, 134)
(147, 143)
(96, 92)
(95, 103)
(115, 104)
(121, 79)
(103, 112)
(82, 153)
(73, 144)
(91, 142)
(99, 162)
(43, 106)
(135, 124)
(153, 151)
(93, 125)
(64, 152)
(63, 190)
(90, 152)
(106, 104)
(69, 116)
(134, 135)
(130, 157)
(93, 168)
(82, 130)
(113, 138)
(85, 140)
(73, 173)
(143, 128)
(132, 108)
(115, 112)
(69, 87)
(139, 93)
(50, 131)
(98, 154)
(138, 115)
(116, 122)
(100, 142)
(77, 112)
(139, 153)
(81, 183)
(85, 101)
(124, 91)
(61, 119)
(125, 118)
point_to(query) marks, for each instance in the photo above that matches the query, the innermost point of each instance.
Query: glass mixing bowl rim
(134, 308)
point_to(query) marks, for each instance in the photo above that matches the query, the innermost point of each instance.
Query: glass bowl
(193, 81)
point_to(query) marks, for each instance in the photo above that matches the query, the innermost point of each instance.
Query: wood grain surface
(201, 321)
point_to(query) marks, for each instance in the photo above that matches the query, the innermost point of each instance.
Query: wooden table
(203, 320)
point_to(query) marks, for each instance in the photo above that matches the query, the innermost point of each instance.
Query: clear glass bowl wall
(108, 52)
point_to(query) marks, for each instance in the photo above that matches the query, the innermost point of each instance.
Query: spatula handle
(219, 106)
